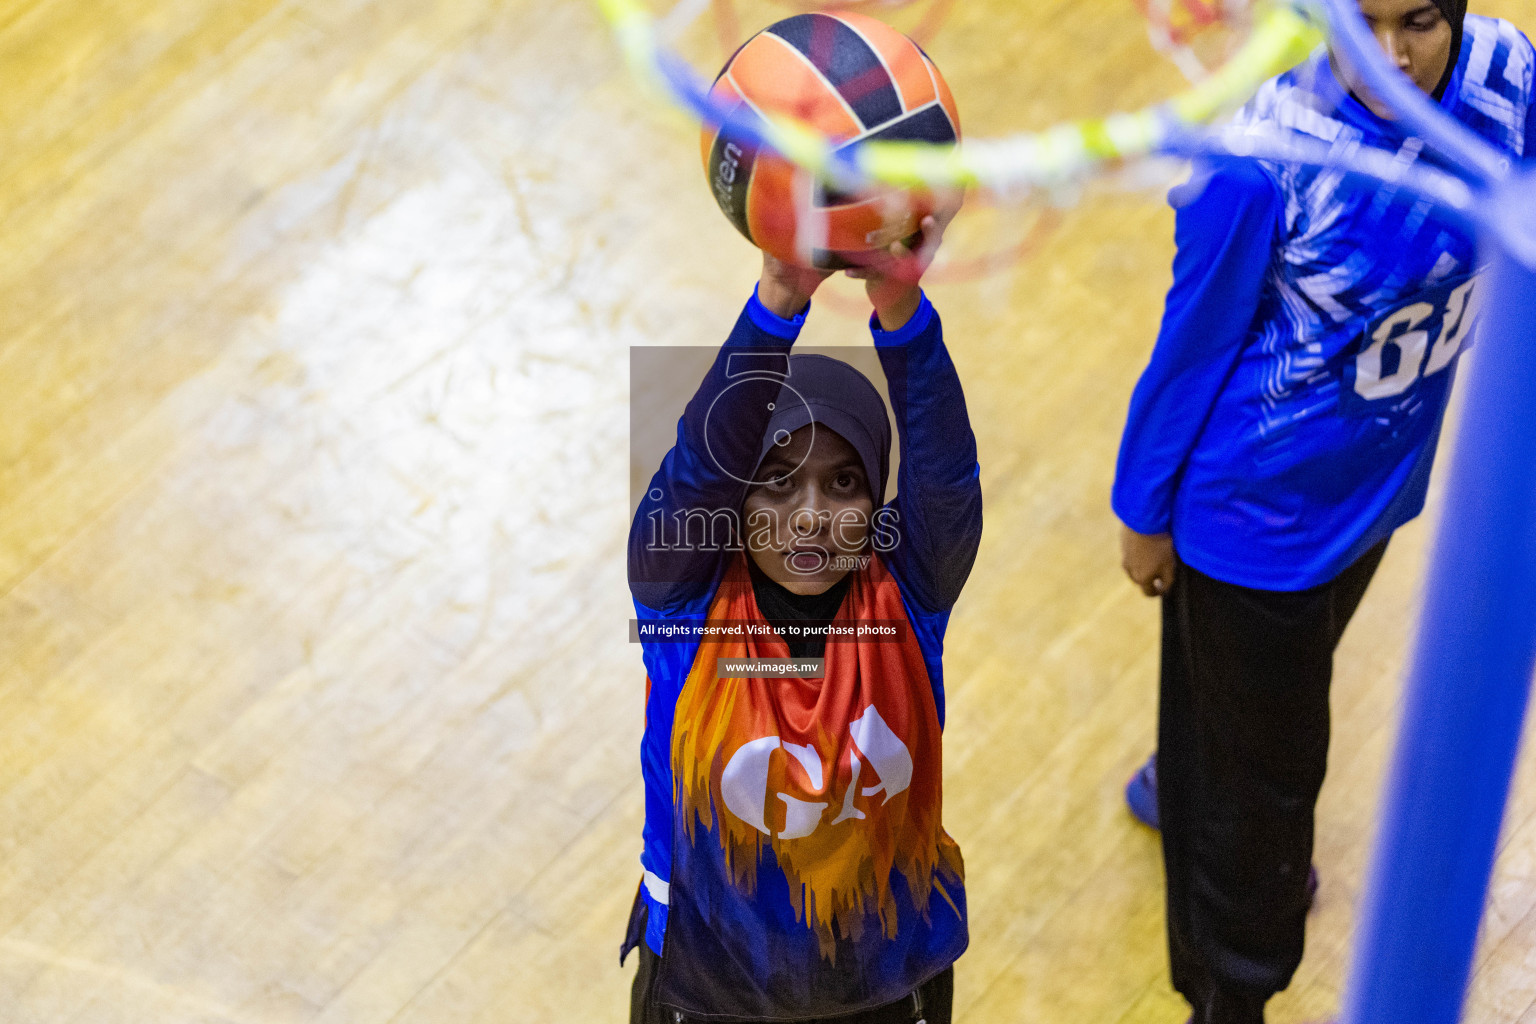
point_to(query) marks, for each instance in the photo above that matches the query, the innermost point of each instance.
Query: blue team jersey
(825, 911)
(1288, 418)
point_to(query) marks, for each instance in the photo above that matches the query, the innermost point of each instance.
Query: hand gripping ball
(853, 79)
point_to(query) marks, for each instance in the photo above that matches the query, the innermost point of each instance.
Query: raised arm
(937, 507)
(685, 523)
(935, 518)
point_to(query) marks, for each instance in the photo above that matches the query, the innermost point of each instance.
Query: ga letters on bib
(810, 871)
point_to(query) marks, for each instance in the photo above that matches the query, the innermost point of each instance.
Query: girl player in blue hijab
(1283, 429)
(796, 867)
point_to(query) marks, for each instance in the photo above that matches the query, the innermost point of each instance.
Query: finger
(899, 250)
(1151, 584)
(928, 245)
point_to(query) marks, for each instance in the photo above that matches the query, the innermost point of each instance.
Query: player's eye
(1424, 21)
(846, 481)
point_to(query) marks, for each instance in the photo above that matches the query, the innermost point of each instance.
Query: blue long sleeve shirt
(932, 525)
(1287, 419)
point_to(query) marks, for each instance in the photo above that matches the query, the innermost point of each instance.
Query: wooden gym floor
(316, 703)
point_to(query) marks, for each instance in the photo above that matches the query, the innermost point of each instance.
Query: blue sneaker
(1141, 798)
(1141, 794)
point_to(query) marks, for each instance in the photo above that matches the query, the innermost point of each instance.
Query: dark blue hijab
(835, 396)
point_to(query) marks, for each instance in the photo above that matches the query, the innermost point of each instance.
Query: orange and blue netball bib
(811, 874)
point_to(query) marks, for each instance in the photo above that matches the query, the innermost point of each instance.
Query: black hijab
(1455, 12)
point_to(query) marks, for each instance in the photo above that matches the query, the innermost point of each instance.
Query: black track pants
(1242, 749)
(931, 1002)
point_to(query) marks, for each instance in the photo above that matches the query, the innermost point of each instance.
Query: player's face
(1414, 35)
(806, 525)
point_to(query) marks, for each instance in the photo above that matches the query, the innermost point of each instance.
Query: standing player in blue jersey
(1283, 429)
(795, 862)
